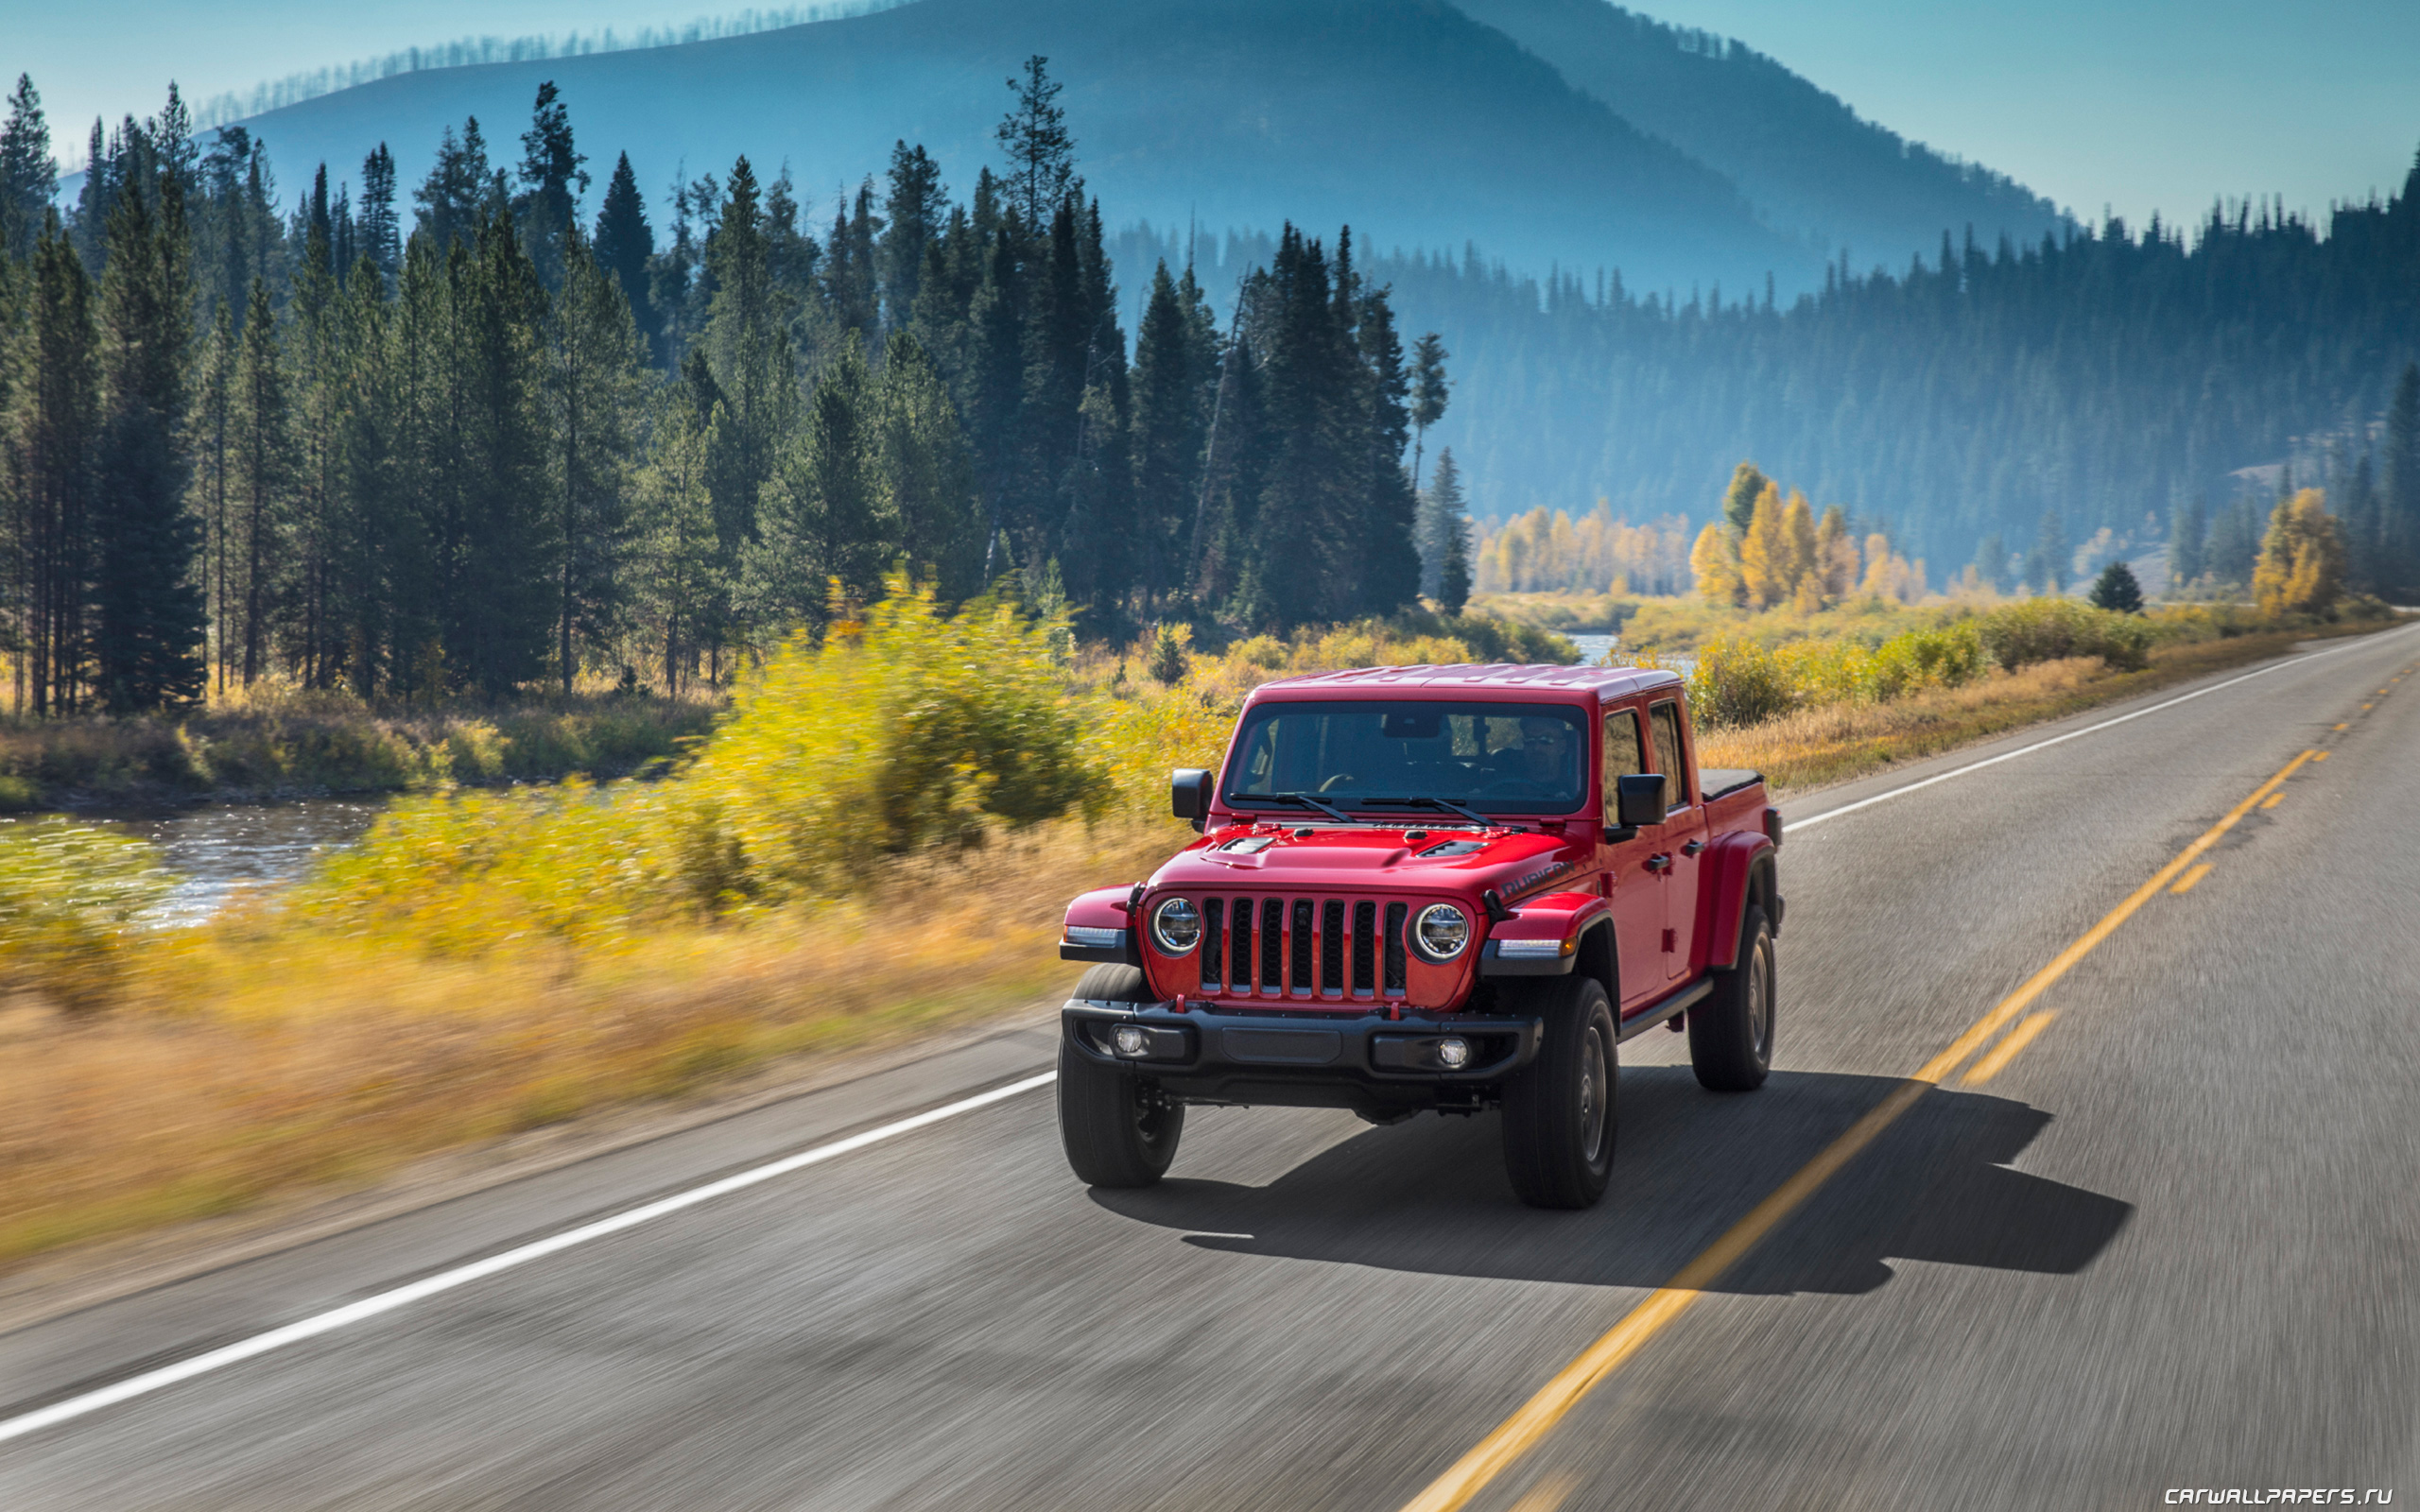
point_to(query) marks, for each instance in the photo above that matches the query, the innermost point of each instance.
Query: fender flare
(1564, 916)
(1733, 868)
(1103, 908)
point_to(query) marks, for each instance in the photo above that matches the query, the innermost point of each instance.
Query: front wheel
(1731, 1033)
(1559, 1111)
(1118, 1130)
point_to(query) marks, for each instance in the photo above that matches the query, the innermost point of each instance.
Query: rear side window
(1621, 750)
(1666, 718)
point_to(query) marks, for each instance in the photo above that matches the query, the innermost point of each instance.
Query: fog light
(1452, 1053)
(1128, 1040)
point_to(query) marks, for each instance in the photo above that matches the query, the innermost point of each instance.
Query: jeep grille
(1332, 948)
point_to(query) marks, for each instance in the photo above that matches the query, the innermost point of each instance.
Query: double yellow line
(1538, 1416)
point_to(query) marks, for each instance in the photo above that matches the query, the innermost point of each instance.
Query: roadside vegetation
(277, 742)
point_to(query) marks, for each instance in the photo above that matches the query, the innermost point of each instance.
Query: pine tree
(748, 347)
(1390, 562)
(1173, 357)
(2116, 589)
(54, 441)
(921, 459)
(148, 622)
(452, 200)
(379, 240)
(29, 176)
(913, 213)
(1429, 392)
(625, 244)
(500, 603)
(1454, 566)
(825, 522)
(678, 556)
(1040, 149)
(548, 206)
(593, 390)
(262, 448)
(209, 430)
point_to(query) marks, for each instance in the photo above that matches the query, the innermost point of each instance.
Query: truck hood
(1366, 858)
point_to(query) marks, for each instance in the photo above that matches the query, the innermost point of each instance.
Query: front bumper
(1368, 1062)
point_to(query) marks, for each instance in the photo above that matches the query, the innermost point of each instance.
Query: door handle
(1692, 847)
(1659, 863)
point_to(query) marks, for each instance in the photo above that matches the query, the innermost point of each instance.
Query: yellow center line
(1467, 1477)
(2343, 727)
(2007, 1049)
(2184, 883)
(2272, 800)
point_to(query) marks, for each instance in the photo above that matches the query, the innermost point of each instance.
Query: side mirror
(1190, 794)
(1638, 800)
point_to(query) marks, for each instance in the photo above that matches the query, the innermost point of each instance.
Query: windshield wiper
(1442, 806)
(1312, 800)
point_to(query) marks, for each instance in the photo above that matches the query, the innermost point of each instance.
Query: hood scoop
(1451, 848)
(1251, 845)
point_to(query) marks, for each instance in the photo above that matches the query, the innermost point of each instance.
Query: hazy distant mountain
(1803, 158)
(1407, 118)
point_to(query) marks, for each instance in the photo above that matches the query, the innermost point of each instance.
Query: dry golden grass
(246, 1064)
(1836, 743)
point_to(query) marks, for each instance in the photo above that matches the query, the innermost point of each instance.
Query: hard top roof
(1492, 680)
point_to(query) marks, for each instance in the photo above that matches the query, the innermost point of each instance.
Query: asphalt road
(2175, 1242)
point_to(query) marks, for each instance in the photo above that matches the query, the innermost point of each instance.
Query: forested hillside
(2106, 378)
(1405, 119)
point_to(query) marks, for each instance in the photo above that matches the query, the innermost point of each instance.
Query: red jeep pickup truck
(1449, 887)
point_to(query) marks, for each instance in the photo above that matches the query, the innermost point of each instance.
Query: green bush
(1737, 683)
(70, 897)
(2051, 630)
(908, 730)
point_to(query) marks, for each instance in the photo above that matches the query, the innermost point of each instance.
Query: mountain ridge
(1418, 122)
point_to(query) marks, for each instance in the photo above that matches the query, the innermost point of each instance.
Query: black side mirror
(1190, 794)
(1638, 802)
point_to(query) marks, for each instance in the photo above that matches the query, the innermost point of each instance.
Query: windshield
(1496, 758)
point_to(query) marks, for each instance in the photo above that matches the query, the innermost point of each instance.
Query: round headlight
(1440, 932)
(1177, 925)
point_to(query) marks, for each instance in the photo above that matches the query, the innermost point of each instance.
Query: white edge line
(387, 1301)
(2074, 734)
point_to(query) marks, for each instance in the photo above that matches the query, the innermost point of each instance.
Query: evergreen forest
(463, 436)
(1972, 404)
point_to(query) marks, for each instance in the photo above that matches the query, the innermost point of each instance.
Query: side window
(1666, 717)
(1621, 750)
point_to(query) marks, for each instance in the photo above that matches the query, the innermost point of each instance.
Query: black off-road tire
(1559, 1110)
(1116, 1128)
(1731, 1033)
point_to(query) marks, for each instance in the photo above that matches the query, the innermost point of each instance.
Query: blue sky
(2134, 104)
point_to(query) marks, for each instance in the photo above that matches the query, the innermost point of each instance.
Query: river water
(221, 849)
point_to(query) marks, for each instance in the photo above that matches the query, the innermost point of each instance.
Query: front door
(1682, 838)
(1636, 888)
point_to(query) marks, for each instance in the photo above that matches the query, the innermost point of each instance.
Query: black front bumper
(1372, 1064)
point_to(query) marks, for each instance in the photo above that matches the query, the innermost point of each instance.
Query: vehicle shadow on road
(1431, 1196)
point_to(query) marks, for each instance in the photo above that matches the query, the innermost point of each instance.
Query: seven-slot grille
(1303, 947)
